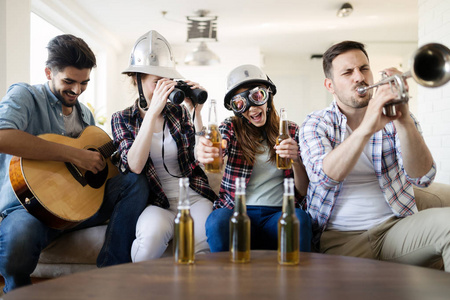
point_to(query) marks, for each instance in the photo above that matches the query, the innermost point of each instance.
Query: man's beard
(360, 104)
(63, 101)
(61, 98)
(356, 101)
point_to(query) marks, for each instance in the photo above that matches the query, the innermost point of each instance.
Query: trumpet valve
(389, 110)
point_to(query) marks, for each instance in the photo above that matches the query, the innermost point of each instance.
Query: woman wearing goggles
(254, 97)
(249, 142)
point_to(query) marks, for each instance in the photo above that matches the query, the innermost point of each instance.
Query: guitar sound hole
(96, 180)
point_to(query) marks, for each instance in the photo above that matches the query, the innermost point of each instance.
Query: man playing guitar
(27, 111)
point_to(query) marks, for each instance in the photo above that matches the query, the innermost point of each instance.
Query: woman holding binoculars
(157, 137)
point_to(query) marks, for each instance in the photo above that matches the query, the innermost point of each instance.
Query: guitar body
(59, 194)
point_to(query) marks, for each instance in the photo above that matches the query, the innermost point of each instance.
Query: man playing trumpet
(362, 166)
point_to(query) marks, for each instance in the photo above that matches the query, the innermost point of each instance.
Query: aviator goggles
(257, 96)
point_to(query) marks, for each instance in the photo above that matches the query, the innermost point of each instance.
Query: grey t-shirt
(265, 187)
(72, 124)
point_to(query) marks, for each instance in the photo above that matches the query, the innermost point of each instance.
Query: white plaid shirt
(323, 131)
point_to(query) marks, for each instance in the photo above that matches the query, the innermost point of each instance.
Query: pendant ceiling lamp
(202, 29)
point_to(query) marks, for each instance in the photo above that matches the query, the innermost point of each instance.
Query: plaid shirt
(238, 167)
(323, 131)
(125, 126)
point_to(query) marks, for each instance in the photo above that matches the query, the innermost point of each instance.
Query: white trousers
(155, 228)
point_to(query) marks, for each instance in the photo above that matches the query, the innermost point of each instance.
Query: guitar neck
(107, 149)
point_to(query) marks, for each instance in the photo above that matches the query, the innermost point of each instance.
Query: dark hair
(68, 50)
(336, 50)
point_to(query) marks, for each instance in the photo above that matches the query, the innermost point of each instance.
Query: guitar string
(107, 149)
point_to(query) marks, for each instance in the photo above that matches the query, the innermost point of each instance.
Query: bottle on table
(240, 226)
(213, 134)
(183, 240)
(283, 162)
(288, 228)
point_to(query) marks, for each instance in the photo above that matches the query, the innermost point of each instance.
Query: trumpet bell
(431, 65)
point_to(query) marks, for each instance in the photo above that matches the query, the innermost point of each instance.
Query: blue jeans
(264, 228)
(23, 237)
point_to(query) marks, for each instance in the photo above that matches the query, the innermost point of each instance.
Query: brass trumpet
(430, 68)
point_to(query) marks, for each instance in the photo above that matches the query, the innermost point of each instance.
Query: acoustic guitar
(59, 194)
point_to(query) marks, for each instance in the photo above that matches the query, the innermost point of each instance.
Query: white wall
(299, 82)
(15, 47)
(2, 46)
(434, 103)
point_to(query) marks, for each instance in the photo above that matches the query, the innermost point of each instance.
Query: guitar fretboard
(107, 149)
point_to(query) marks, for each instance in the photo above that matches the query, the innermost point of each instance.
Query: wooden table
(318, 276)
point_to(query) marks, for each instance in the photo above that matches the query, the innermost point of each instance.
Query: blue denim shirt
(36, 110)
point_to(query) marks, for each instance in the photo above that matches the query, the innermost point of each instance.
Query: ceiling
(277, 27)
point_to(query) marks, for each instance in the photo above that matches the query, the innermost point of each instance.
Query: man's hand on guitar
(89, 160)
(78, 165)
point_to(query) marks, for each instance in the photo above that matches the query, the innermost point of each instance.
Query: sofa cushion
(76, 247)
(436, 195)
(57, 270)
(79, 247)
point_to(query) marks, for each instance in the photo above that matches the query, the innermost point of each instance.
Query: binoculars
(183, 90)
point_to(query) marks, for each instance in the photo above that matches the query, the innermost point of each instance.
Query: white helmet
(243, 75)
(152, 54)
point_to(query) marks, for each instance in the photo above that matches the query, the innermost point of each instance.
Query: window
(40, 33)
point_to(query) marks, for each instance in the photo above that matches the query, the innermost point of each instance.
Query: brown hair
(67, 50)
(132, 76)
(250, 137)
(336, 50)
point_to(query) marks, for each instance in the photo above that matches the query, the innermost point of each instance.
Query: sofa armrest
(436, 195)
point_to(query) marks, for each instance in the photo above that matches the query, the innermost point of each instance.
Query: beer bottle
(183, 240)
(283, 163)
(213, 134)
(288, 228)
(240, 226)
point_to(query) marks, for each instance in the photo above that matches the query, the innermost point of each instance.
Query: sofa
(77, 251)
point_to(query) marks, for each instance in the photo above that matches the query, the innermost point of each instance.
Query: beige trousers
(422, 239)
